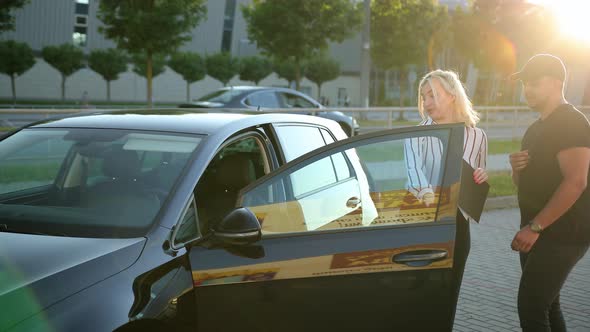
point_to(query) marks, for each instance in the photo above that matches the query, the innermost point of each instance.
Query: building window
(226, 41)
(82, 7)
(80, 35)
(228, 25)
(342, 97)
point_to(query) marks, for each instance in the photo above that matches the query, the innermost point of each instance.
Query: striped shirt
(424, 155)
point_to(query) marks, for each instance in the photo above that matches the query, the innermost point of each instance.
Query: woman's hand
(428, 198)
(480, 176)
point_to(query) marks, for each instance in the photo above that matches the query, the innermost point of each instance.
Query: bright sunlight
(572, 17)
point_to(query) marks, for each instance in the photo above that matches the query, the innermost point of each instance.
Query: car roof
(249, 88)
(175, 120)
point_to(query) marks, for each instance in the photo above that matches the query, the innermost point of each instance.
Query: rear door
(346, 243)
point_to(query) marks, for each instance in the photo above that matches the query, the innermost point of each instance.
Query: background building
(41, 23)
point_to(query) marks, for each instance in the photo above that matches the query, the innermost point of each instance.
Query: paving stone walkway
(488, 295)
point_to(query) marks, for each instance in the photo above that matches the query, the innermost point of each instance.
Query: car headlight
(354, 122)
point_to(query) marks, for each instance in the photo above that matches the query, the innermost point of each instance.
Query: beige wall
(44, 82)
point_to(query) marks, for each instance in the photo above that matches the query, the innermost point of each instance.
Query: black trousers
(544, 271)
(461, 252)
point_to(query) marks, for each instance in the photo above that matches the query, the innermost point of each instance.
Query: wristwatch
(536, 227)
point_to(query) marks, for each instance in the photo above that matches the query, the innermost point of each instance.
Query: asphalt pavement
(487, 301)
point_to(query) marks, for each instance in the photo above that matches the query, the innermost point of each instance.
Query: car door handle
(353, 202)
(420, 256)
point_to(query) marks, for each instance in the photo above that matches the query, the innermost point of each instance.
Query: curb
(502, 202)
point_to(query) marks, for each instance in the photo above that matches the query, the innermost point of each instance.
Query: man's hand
(480, 176)
(519, 160)
(524, 240)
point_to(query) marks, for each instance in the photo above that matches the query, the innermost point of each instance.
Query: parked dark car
(268, 98)
(172, 221)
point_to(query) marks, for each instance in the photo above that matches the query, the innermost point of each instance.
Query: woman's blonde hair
(449, 80)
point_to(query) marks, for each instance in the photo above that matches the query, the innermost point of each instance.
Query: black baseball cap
(541, 65)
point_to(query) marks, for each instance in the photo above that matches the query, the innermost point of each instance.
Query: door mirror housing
(239, 227)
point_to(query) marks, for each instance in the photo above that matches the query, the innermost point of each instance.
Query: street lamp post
(365, 55)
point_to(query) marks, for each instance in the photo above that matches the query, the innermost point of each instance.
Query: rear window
(221, 96)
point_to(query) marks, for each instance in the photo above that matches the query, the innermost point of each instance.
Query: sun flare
(572, 17)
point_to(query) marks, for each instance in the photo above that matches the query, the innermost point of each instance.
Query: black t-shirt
(565, 128)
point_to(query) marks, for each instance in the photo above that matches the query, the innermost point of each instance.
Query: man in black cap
(551, 174)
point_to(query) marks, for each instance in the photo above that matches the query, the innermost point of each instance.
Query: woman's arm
(417, 183)
(480, 175)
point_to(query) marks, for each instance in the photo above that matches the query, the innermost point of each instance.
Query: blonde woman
(443, 100)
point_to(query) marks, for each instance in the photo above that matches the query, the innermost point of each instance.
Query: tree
(398, 39)
(222, 67)
(495, 34)
(322, 69)
(6, 18)
(190, 66)
(295, 30)
(150, 27)
(67, 59)
(108, 64)
(140, 64)
(15, 59)
(254, 69)
(286, 69)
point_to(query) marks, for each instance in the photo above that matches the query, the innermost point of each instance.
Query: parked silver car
(266, 98)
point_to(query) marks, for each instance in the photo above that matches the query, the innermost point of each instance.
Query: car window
(234, 167)
(94, 182)
(299, 140)
(34, 165)
(327, 137)
(370, 185)
(294, 101)
(266, 99)
(187, 228)
(223, 96)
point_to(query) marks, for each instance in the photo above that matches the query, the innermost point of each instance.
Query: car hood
(37, 271)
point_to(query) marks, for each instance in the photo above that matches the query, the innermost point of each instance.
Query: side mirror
(239, 227)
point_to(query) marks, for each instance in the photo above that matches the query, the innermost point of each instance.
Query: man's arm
(574, 164)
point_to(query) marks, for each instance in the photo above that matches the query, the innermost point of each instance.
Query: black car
(268, 98)
(173, 221)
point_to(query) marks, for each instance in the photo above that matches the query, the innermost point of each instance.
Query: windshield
(223, 96)
(88, 182)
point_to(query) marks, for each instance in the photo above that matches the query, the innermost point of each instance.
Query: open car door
(346, 243)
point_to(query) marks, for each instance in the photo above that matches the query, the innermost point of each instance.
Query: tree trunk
(376, 87)
(403, 77)
(12, 78)
(188, 92)
(148, 76)
(108, 90)
(297, 75)
(319, 91)
(63, 87)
